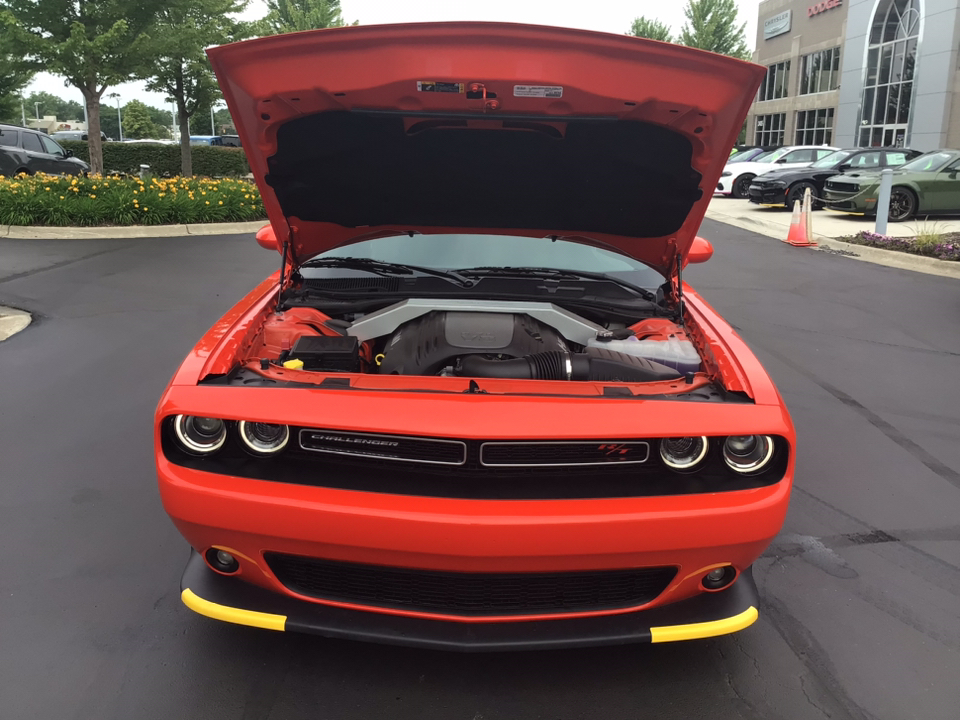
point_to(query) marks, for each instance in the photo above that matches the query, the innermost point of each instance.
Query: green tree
(15, 74)
(137, 124)
(93, 45)
(51, 104)
(286, 16)
(181, 70)
(652, 29)
(712, 25)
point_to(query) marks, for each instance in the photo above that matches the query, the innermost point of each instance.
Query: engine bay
(475, 339)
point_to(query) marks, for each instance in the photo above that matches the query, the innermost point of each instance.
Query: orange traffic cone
(801, 234)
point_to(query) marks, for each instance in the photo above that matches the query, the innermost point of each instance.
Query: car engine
(420, 338)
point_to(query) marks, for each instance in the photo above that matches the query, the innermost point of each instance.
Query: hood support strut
(679, 290)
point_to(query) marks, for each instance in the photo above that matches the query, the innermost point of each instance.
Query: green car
(927, 185)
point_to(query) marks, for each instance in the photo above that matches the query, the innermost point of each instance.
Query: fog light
(200, 435)
(263, 438)
(747, 454)
(683, 453)
(222, 561)
(719, 578)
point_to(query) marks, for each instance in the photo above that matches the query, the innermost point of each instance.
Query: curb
(878, 256)
(12, 321)
(20, 232)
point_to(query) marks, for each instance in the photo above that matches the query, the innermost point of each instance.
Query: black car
(30, 151)
(783, 187)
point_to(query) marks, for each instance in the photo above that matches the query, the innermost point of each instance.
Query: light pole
(36, 107)
(173, 119)
(213, 127)
(116, 96)
(23, 112)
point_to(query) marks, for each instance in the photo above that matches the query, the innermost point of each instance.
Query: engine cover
(433, 341)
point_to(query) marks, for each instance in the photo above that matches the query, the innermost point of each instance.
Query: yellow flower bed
(59, 201)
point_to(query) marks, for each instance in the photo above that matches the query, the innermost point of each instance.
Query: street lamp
(116, 96)
(36, 107)
(173, 118)
(213, 127)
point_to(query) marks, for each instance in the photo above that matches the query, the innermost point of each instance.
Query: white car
(737, 176)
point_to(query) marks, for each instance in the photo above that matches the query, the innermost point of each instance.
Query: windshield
(744, 155)
(772, 156)
(931, 162)
(833, 159)
(453, 252)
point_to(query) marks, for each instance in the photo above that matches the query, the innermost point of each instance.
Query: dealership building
(858, 73)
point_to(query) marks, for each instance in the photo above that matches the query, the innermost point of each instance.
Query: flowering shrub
(947, 249)
(52, 200)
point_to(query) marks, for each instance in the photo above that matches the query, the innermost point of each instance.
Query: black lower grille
(469, 593)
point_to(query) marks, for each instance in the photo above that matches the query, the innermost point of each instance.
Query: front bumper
(858, 203)
(232, 600)
(724, 186)
(768, 196)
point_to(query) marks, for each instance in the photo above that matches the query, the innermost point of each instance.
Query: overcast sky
(614, 16)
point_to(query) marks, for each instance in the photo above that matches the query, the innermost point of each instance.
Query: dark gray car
(29, 151)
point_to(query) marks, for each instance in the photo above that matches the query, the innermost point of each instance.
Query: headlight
(683, 453)
(726, 173)
(200, 435)
(263, 438)
(747, 453)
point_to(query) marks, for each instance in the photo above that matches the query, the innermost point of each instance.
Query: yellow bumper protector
(267, 621)
(693, 631)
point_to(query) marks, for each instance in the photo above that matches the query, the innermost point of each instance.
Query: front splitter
(232, 600)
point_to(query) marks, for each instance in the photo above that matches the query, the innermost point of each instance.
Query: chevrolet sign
(777, 25)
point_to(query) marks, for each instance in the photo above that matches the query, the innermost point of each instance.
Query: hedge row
(53, 200)
(164, 160)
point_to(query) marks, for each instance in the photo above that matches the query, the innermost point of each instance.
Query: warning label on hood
(544, 91)
(445, 87)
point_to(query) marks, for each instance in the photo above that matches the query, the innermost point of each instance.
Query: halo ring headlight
(748, 454)
(200, 435)
(683, 453)
(263, 438)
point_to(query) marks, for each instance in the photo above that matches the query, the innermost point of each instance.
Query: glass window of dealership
(858, 73)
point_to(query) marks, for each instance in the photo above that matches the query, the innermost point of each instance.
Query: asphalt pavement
(861, 592)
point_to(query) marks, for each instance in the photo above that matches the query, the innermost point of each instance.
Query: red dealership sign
(823, 7)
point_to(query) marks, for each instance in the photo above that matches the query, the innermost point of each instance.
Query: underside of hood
(486, 128)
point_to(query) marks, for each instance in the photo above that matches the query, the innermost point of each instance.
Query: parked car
(927, 185)
(231, 140)
(206, 140)
(30, 151)
(784, 187)
(418, 431)
(736, 178)
(77, 135)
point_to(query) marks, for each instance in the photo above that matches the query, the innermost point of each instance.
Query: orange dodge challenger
(477, 407)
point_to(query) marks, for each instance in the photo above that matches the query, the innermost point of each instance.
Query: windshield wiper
(557, 274)
(381, 267)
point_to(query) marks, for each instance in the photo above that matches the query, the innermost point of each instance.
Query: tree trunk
(186, 159)
(92, 98)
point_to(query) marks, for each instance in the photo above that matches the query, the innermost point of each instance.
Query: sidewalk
(825, 222)
(775, 223)
(12, 321)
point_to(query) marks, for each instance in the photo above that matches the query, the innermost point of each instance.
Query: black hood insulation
(355, 169)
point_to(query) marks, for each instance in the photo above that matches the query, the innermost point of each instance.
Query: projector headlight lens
(263, 438)
(748, 454)
(199, 435)
(683, 453)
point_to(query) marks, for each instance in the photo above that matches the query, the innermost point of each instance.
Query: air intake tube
(597, 364)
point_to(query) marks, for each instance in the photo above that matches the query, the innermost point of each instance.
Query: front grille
(469, 594)
(401, 448)
(843, 187)
(562, 454)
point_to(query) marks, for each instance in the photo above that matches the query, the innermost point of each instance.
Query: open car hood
(484, 128)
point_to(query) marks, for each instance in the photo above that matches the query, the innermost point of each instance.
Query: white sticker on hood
(544, 91)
